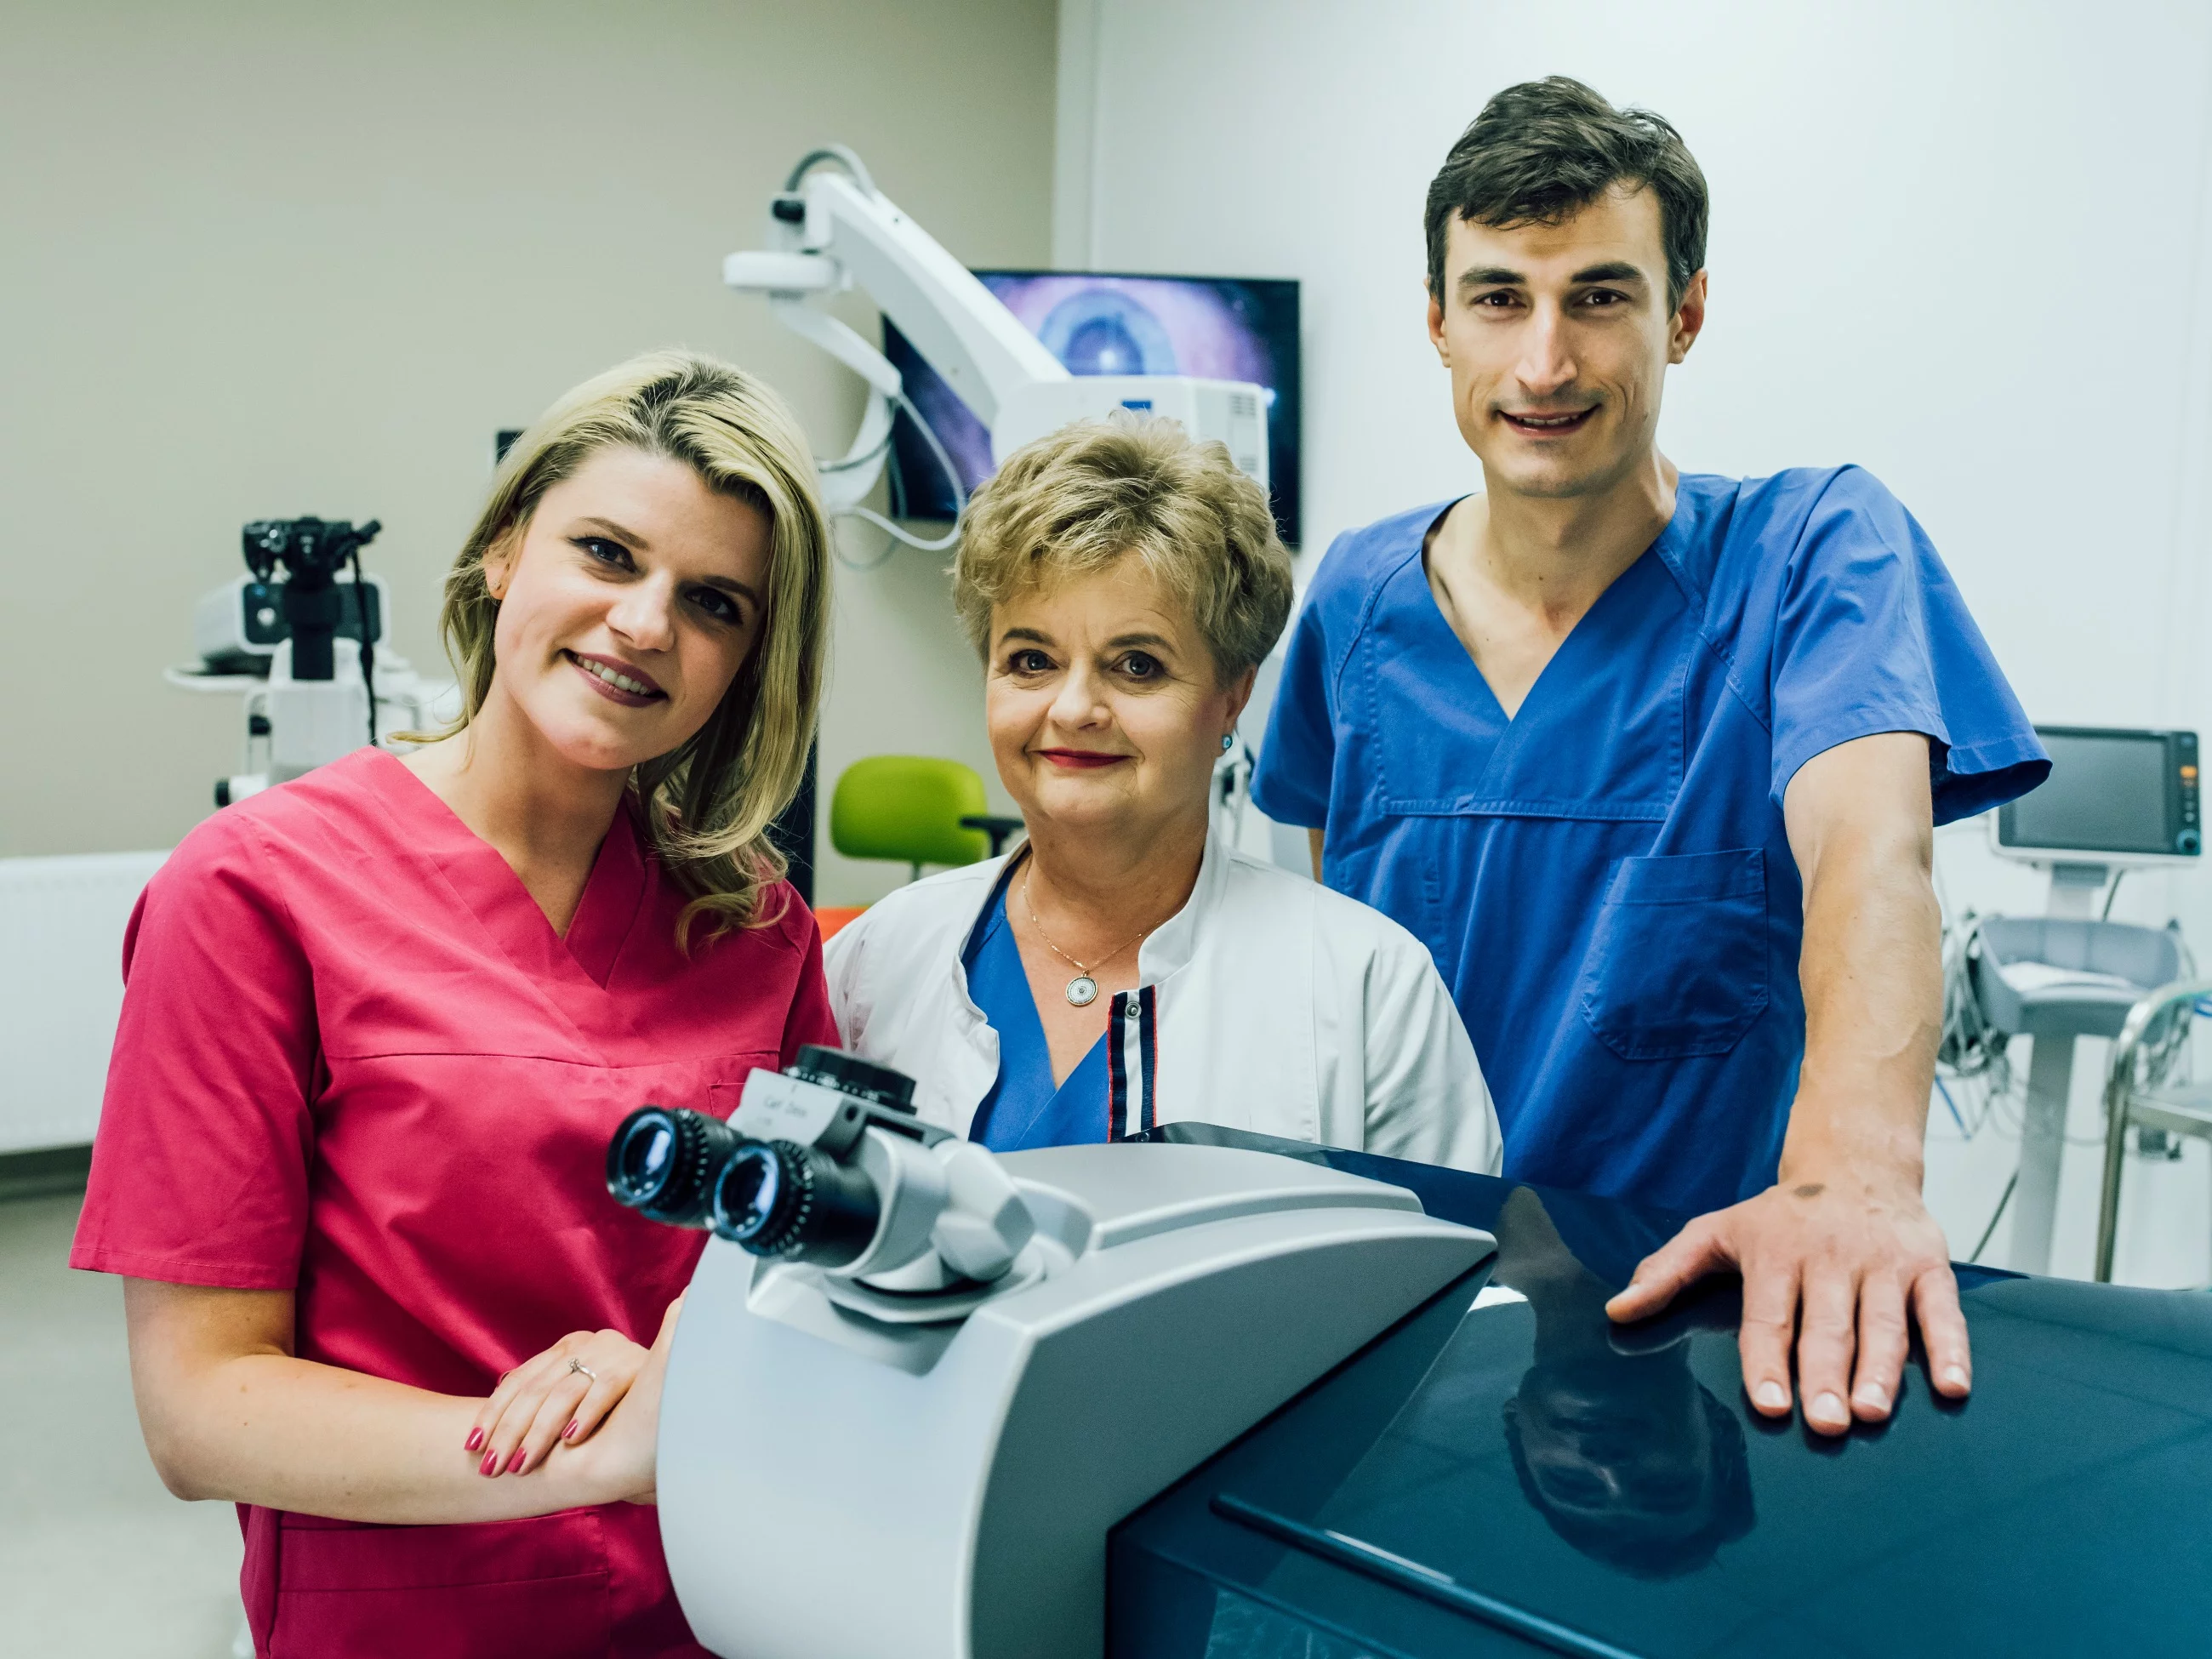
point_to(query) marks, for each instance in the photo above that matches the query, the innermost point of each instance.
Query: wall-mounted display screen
(1220, 328)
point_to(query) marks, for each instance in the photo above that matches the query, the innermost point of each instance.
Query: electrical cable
(1969, 1045)
(2112, 892)
(367, 649)
(858, 169)
(838, 153)
(893, 534)
(850, 463)
(857, 566)
(905, 406)
(1986, 1231)
(854, 462)
(1965, 1133)
(1973, 1052)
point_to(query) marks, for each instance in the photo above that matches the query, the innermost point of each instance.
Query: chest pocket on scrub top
(1676, 965)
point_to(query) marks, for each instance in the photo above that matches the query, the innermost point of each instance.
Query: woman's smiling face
(1105, 707)
(627, 603)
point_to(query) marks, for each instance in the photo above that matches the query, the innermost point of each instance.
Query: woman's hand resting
(627, 1450)
(560, 1398)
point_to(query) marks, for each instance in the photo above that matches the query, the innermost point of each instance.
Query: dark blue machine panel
(1507, 1473)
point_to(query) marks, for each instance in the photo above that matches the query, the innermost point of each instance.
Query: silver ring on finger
(575, 1365)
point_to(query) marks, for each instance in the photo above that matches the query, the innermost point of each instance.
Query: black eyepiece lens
(777, 1198)
(662, 1163)
(644, 1155)
(746, 1195)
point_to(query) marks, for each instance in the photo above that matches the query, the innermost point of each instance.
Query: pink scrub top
(355, 1062)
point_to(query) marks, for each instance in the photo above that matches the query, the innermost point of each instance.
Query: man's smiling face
(1558, 338)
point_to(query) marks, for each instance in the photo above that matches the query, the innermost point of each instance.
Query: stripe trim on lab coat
(1132, 1050)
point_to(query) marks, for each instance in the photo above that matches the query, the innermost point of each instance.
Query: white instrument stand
(2119, 964)
(2074, 890)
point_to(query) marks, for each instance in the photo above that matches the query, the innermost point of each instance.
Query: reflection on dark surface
(1627, 1455)
(1245, 1629)
(1502, 1461)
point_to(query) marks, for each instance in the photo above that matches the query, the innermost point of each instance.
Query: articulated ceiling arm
(830, 231)
(835, 230)
(845, 483)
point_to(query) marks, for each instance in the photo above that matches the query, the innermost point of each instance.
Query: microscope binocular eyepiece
(777, 1198)
(664, 1164)
(810, 1199)
(771, 1197)
(310, 550)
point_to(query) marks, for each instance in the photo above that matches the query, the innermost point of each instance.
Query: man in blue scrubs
(1652, 759)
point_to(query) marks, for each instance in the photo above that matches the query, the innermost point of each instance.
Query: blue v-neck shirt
(1024, 1107)
(1605, 879)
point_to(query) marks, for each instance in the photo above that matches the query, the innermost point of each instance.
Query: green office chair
(915, 808)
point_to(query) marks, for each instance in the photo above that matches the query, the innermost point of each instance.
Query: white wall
(1964, 244)
(266, 259)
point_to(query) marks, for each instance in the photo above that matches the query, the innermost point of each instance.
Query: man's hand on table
(1840, 1253)
(1840, 1260)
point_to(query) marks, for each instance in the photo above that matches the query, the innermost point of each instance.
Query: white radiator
(61, 988)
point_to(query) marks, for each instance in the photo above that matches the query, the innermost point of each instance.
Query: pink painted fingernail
(1771, 1396)
(476, 1439)
(570, 1430)
(515, 1461)
(491, 1465)
(1827, 1407)
(1954, 1376)
(1872, 1398)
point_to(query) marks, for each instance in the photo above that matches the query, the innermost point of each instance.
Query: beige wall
(269, 259)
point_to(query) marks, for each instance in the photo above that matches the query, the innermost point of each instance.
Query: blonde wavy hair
(1095, 492)
(707, 806)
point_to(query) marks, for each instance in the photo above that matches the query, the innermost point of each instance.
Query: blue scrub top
(1605, 880)
(1023, 1108)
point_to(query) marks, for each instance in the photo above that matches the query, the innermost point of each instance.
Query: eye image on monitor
(1218, 327)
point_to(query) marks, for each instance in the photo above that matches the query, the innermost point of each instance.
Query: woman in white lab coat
(1127, 967)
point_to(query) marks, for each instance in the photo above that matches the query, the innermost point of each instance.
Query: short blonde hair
(707, 805)
(1097, 491)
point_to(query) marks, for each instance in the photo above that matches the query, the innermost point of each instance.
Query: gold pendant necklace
(1082, 990)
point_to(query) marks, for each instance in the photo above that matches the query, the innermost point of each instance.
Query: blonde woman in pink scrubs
(380, 1022)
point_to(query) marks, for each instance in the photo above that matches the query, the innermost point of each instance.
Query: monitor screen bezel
(2001, 819)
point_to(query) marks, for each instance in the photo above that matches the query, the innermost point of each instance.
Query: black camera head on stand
(311, 552)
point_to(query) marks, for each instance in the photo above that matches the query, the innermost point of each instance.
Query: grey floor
(96, 1560)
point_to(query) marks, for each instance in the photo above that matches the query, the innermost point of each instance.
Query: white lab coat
(1266, 1003)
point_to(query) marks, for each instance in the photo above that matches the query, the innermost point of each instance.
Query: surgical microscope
(915, 1382)
(297, 636)
(830, 230)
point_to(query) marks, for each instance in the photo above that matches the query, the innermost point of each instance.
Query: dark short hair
(1543, 150)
